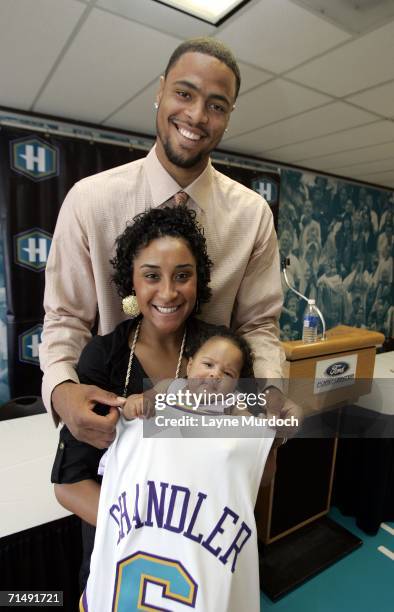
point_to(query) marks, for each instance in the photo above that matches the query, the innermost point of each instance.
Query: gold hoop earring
(130, 305)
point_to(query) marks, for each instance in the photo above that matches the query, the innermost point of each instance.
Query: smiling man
(194, 103)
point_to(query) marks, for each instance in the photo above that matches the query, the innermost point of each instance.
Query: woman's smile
(165, 283)
(167, 310)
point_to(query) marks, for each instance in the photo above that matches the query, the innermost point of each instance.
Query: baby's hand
(137, 406)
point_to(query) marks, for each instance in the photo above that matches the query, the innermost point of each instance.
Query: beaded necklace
(137, 331)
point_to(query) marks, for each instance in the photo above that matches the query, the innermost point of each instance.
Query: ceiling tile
(252, 77)
(304, 153)
(103, 67)
(278, 35)
(271, 102)
(386, 179)
(380, 99)
(356, 65)
(370, 167)
(28, 47)
(160, 17)
(317, 122)
(235, 147)
(335, 161)
(138, 115)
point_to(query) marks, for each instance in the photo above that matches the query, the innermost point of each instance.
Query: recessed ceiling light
(211, 11)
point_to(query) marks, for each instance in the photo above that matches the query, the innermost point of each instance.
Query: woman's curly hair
(177, 222)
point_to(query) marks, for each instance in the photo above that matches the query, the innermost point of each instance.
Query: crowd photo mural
(338, 236)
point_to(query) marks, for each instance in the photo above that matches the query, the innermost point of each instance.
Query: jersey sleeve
(102, 464)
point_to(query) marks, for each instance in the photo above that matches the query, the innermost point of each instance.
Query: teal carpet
(361, 582)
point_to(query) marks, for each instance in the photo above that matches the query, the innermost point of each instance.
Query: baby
(213, 372)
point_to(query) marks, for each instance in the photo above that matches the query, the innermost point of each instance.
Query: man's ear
(229, 117)
(160, 91)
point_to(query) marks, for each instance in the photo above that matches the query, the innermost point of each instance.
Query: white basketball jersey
(176, 528)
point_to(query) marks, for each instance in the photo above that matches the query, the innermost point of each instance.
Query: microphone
(285, 261)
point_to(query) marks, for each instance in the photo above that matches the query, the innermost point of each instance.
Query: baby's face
(216, 366)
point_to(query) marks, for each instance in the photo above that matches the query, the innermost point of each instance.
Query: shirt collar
(163, 186)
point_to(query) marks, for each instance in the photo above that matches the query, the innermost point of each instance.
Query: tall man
(195, 99)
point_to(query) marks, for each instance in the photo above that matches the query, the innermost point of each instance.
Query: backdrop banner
(36, 172)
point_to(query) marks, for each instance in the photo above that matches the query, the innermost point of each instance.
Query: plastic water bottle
(309, 328)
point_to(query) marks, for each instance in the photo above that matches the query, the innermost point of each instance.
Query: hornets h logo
(34, 158)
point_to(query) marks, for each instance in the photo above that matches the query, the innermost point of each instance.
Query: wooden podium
(298, 539)
(351, 352)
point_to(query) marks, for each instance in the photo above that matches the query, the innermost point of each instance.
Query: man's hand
(74, 404)
(281, 407)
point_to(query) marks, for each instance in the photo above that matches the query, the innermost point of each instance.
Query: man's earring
(155, 105)
(130, 305)
(226, 130)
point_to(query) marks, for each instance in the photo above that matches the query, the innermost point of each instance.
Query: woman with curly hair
(162, 274)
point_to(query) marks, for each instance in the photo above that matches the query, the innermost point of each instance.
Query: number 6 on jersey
(134, 575)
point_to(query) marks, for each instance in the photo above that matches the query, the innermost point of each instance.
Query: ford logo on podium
(336, 369)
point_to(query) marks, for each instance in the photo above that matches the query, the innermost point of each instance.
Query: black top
(104, 362)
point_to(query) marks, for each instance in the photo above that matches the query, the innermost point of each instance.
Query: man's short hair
(208, 46)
